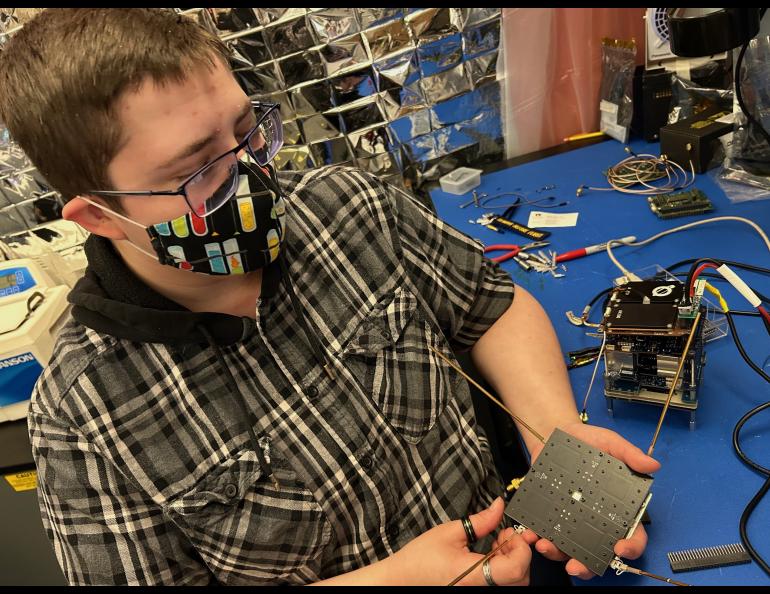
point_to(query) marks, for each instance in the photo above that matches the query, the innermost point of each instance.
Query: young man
(248, 391)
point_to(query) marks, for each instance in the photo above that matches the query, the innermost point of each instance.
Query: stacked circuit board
(647, 324)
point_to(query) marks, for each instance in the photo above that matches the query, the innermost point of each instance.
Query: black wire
(696, 262)
(520, 201)
(33, 302)
(751, 506)
(598, 296)
(691, 272)
(520, 198)
(750, 267)
(745, 519)
(742, 351)
(700, 261)
(721, 278)
(736, 439)
(739, 94)
(595, 299)
(741, 265)
(753, 314)
(749, 415)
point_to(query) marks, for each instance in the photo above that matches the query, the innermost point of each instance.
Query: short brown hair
(62, 74)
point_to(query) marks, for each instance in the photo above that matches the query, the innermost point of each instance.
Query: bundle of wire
(762, 470)
(756, 299)
(582, 357)
(699, 266)
(521, 200)
(645, 174)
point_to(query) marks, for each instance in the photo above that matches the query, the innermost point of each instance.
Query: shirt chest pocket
(247, 530)
(390, 357)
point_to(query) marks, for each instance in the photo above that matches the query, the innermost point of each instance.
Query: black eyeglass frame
(182, 191)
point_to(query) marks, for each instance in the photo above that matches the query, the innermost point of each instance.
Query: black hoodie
(112, 300)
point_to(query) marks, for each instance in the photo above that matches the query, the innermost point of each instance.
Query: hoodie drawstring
(315, 345)
(264, 463)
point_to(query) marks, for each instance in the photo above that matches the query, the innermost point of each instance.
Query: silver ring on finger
(487, 573)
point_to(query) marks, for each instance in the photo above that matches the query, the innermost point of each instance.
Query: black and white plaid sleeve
(466, 291)
(104, 531)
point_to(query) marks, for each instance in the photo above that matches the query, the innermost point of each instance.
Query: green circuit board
(669, 206)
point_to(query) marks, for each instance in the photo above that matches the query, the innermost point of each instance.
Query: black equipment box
(652, 102)
(695, 139)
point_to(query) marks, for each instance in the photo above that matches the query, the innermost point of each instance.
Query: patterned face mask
(243, 235)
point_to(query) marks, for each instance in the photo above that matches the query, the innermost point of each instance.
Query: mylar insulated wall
(404, 93)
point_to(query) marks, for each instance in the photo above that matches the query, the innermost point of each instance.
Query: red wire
(700, 269)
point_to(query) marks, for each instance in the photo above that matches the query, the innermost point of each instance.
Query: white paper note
(552, 219)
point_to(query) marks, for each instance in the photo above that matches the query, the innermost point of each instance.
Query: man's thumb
(488, 519)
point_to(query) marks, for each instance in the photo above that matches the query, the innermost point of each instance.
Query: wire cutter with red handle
(513, 250)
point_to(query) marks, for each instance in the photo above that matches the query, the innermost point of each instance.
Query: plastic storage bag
(616, 91)
(690, 97)
(748, 153)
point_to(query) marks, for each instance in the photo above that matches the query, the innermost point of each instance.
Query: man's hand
(612, 443)
(441, 554)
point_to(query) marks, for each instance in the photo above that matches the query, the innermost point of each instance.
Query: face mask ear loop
(112, 212)
(120, 216)
(146, 253)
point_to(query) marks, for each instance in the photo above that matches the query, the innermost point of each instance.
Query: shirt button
(392, 531)
(311, 391)
(230, 490)
(387, 336)
(367, 462)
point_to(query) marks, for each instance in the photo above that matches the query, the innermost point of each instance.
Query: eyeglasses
(213, 185)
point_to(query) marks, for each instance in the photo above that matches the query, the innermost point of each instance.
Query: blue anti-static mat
(702, 488)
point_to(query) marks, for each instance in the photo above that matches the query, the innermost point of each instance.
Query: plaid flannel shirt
(146, 472)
